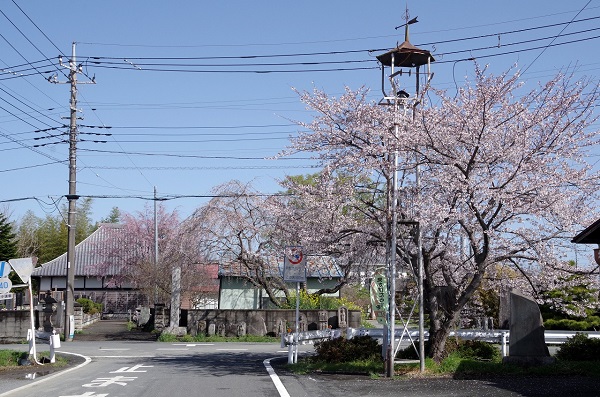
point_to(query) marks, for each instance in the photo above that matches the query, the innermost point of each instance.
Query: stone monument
(527, 345)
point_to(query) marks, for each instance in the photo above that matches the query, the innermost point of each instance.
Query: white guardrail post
(289, 342)
(54, 344)
(504, 344)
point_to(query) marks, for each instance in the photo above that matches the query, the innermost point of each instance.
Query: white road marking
(193, 344)
(173, 348)
(280, 387)
(57, 374)
(103, 349)
(233, 350)
(144, 356)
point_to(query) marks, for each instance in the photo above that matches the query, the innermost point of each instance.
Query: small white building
(236, 292)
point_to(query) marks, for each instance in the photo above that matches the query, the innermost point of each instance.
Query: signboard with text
(5, 285)
(379, 295)
(294, 265)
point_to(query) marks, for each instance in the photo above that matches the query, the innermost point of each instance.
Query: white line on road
(45, 378)
(193, 344)
(136, 356)
(173, 348)
(103, 349)
(280, 387)
(233, 350)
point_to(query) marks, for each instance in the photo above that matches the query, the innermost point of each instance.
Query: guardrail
(500, 337)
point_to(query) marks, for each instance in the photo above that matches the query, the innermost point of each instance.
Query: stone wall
(14, 325)
(82, 319)
(267, 322)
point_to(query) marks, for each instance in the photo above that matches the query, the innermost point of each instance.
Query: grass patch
(454, 365)
(371, 367)
(10, 358)
(164, 337)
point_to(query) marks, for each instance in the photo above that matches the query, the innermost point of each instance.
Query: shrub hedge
(345, 350)
(580, 348)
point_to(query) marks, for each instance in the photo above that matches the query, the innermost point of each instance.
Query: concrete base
(529, 361)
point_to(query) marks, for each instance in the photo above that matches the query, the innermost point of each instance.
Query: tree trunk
(437, 342)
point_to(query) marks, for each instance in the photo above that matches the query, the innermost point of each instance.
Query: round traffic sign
(295, 255)
(5, 285)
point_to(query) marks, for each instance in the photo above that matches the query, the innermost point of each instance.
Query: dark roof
(590, 235)
(406, 55)
(321, 267)
(87, 255)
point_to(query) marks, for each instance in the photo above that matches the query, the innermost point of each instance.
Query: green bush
(318, 302)
(580, 348)
(472, 349)
(479, 350)
(89, 306)
(346, 350)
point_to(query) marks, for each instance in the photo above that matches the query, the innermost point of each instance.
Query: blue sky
(210, 113)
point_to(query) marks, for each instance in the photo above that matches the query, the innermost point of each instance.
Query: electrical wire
(190, 155)
(555, 37)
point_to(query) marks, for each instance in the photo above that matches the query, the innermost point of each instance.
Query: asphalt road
(151, 369)
(148, 369)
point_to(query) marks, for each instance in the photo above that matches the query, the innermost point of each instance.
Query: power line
(195, 168)
(191, 155)
(555, 37)
(38, 28)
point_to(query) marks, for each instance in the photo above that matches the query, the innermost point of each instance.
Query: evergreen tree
(8, 244)
(113, 217)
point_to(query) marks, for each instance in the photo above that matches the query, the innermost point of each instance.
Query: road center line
(173, 348)
(106, 350)
(233, 350)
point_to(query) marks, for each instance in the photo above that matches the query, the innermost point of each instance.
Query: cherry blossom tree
(503, 181)
(247, 233)
(132, 248)
(236, 230)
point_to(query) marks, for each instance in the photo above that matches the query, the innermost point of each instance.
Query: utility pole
(155, 248)
(72, 197)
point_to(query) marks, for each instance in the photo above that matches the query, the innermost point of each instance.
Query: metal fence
(500, 337)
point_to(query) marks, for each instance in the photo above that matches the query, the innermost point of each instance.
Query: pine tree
(8, 243)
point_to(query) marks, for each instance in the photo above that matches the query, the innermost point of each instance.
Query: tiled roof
(321, 267)
(87, 255)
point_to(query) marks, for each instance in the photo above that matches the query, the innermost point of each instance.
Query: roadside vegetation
(580, 356)
(89, 306)
(10, 359)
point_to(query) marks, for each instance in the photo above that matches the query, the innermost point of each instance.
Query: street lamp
(408, 56)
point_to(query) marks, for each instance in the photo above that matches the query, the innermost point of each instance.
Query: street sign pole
(297, 336)
(294, 270)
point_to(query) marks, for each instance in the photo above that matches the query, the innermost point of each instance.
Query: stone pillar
(280, 327)
(527, 345)
(323, 319)
(343, 317)
(211, 329)
(303, 325)
(504, 312)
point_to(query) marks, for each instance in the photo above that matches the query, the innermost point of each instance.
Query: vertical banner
(294, 265)
(379, 295)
